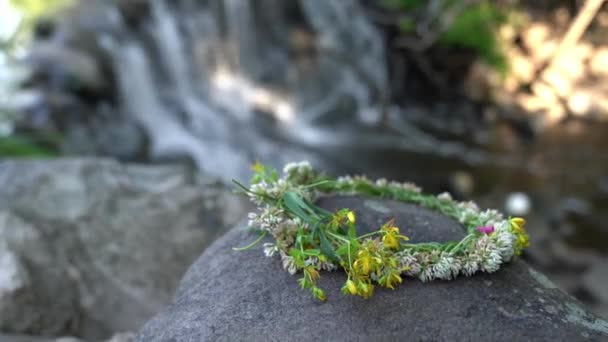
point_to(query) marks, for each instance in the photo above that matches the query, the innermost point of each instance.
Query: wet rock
(89, 247)
(244, 295)
(66, 68)
(577, 206)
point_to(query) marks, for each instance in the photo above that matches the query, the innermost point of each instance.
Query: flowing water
(213, 80)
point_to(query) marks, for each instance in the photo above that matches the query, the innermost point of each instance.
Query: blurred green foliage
(34, 9)
(30, 12)
(24, 147)
(474, 26)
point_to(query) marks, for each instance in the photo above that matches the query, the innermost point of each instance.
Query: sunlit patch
(224, 80)
(284, 111)
(262, 98)
(252, 96)
(580, 103)
(11, 19)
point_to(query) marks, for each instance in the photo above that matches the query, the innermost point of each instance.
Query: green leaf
(296, 205)
(342, 251)
(313, 252)
(352, 231)
(327, 248)
(407, 24)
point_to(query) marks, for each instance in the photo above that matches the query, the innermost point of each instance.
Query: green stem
(350, 262)
(315, 184)
(239, 249)
(368, 235)
(338, 237)
(466, 238)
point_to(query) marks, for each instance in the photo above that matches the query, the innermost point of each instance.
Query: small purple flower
(486, 229)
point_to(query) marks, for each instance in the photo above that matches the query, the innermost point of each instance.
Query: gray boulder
(229, 295)
(90, 247)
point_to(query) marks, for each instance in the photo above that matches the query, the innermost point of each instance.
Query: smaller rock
(595, 280)
(74, 258)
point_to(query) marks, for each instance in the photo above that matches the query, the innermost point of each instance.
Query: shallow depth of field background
(502, 102)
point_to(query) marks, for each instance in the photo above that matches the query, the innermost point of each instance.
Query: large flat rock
(229, 295)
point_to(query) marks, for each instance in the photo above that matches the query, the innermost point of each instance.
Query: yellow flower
(517, 223)
(366, 262)
(391, 235)
(257, 167)
(365, 290)
(390, 279)
(351, 217)
(523, 240)
(312, 273)
(349, 287)
(319, 294)
(390, 240)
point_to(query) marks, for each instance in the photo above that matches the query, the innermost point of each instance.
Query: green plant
(24, 147)
(471, 24)
(28, 12)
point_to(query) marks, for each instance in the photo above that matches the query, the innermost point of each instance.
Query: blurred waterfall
(226, 82)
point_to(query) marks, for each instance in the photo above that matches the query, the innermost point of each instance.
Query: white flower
(304, 165)
(447, 267)
(344, 180)
(442, 270)
(491, 263)
(406, 186)
(444, 197)
(289, 168)
(288, 263)
(327, 266)
(489, 254)
(426, 274)
(381, 182)
(504, 243)
(490, 217)
(253, 220)
(470, 266)
(411, 263)
(270, 249)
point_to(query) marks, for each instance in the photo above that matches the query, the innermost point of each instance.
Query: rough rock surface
(229, 295)
(121, 337)
(90, 247)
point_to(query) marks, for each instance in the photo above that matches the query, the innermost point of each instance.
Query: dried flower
(486, 229)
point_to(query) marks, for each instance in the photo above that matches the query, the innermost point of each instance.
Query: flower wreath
(311, 239)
